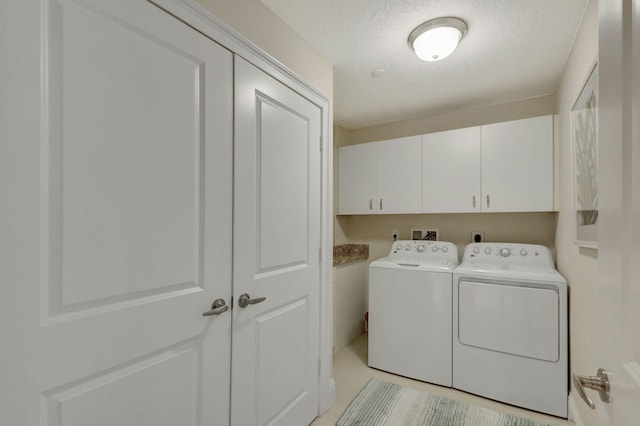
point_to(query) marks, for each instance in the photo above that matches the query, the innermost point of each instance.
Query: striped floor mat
(382, 403)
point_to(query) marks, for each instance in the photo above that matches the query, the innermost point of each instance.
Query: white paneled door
(122, 224)
(124, 201)
(618, 332)
(276, 252)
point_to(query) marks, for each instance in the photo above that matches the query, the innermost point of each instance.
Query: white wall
(578, 265)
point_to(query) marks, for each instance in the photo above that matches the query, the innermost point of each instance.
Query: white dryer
(410, 310)
(510, 326)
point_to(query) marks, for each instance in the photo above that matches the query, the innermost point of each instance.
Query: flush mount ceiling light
(438, 38)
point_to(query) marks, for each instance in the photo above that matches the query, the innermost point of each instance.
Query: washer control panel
(531, 254)
(419, 251)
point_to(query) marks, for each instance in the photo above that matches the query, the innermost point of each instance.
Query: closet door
(125, 224)
(276, 247)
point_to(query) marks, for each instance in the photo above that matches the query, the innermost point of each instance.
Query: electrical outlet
(394, 235)
(477, 236)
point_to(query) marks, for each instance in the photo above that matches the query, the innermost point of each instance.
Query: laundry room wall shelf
(349, 253)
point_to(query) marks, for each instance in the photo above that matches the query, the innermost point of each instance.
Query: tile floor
(351, 373)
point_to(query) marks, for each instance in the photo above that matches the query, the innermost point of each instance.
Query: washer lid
(433, 265)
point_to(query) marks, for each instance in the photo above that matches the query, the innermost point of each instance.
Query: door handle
(600, 383)
(219, 306)
(245, 300)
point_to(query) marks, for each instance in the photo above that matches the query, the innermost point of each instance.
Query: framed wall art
(584, 146)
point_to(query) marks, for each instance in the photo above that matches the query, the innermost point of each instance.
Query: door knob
(245, 300)
(600, 383)
(219, 306)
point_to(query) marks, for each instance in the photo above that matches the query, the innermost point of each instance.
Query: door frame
(211, 26)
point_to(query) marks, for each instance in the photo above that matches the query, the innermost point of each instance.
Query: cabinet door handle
(488, 200)
(474, 201)
(370, 203)
(380, 203)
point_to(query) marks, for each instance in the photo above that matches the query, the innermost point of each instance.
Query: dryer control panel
(420, 251)
(528, 254)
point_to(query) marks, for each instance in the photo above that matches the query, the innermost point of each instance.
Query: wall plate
(431, 235)
(417, 234)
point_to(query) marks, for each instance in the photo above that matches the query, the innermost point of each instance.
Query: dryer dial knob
(476, 250)
(487, 250)
(444, 249)
(435, 248)
(407, 247)
(420, 248)
(523, 252)
(505, 252)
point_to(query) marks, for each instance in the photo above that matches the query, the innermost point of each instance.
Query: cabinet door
(517, 165)
(451, 171)
(357, 179)
(400, 175)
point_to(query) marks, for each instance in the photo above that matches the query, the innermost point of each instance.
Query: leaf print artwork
(587, 164)
(584, 123)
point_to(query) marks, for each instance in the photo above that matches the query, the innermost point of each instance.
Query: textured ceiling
(515, 49)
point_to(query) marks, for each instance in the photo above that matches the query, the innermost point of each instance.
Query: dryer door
(510, 318)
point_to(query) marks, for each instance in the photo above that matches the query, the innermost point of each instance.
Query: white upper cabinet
(451, 171)
(357, 179)
(517, 165)
(400, 175)
(381, 177)
(502, 167)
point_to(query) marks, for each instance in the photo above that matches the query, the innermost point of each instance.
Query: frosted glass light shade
(436, 39)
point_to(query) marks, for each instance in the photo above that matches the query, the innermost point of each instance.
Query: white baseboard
(574, 413)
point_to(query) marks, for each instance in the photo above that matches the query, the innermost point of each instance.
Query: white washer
(410, 310)
(510, 326)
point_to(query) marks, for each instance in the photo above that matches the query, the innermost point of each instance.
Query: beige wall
(257, 23)
(578, 265)
(455, 119)
(375, 230)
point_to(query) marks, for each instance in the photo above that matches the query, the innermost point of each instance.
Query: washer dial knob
(476, 250)
(445, 249)
(407, 247)
(435, 249)
(487, 250)
(523, 252)
(420, 248)
(505, 252)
